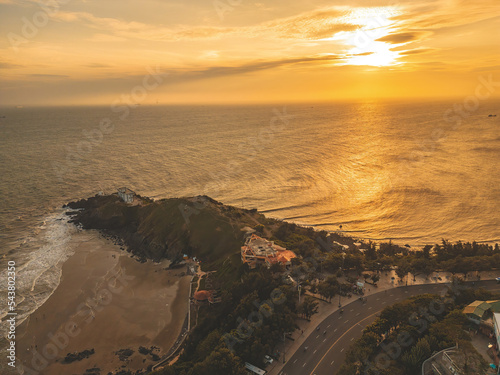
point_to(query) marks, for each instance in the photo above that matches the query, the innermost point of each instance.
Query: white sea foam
(40, 274)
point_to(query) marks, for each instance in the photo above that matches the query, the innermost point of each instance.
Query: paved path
(326, 351)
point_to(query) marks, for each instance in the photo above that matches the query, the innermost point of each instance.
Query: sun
(380, 54)
(364, 48)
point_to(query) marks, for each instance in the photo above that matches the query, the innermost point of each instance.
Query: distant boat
(492, 115)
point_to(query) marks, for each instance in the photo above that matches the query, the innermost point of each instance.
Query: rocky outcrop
(162, 229)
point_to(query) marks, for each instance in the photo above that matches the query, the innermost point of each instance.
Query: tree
(375, 278)
(308, 308)
(220, 361)
(421, 266)
(259, 228)
(277, 268)
(458, 265)
(419, 353)
(208, 344)
(327, 290)
(427, 251)
(371, 252)
(402, 270)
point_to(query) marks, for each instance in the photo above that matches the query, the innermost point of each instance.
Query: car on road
(268, 359)
(498, 279)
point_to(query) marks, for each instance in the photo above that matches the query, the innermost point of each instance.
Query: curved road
(326, 351)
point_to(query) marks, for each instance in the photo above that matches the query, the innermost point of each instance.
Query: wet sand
(106, 301)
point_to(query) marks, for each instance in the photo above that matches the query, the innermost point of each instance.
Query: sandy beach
(106, 302)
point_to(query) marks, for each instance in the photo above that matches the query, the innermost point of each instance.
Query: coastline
(106, 301)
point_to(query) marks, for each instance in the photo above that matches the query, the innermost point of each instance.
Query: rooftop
(477, 308)
(125, 190)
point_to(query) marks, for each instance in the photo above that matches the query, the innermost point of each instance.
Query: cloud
(404, 37)
(98, 65)
(7, 65)
(106, 38)
(489, 68)
(429, 66)
(313, 25)
(121, 30)
(55, 76)
(438, 15)
(317, 24)
(417, 51)
(220, 71)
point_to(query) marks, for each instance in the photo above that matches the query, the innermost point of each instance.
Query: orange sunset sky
(93, 51)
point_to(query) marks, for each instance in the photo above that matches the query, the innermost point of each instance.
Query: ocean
(413, 173)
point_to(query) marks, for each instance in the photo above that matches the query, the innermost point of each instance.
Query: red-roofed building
(257, 251)
(202, 295)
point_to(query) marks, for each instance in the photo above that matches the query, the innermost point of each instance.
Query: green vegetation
(257, 309)
(240, 328)
(407, 333)
(168, 228)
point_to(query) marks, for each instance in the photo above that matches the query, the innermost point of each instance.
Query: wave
(39, 265)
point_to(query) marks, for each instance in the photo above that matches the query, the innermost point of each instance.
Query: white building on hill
(126, 195)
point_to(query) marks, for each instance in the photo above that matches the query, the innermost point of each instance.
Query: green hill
(169, 228)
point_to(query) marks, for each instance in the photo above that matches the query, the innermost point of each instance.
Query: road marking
(315, 351)
(331, 364)
(406, 291)
(335, 330)
(340, 317)
(346, 321)
(295, 360)
(328, 326)
(317, 336)
(370, 308)
(383, 303)
(342, 350)
(335, 343)
(324, 340)
(358, 314)
(304, 365)
(378, 299)
(352, 338)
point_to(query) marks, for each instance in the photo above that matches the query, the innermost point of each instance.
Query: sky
(84, 52)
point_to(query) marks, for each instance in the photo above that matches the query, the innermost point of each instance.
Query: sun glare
(375, 23)
(380, 54)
